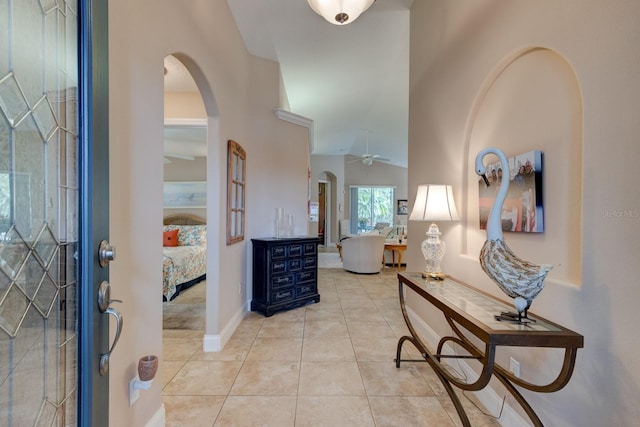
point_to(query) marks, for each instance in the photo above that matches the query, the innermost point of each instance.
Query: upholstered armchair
(343, 231)
(363, 253)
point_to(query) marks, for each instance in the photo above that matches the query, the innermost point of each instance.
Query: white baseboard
(491, 400)
(212, 343)
(159, 419)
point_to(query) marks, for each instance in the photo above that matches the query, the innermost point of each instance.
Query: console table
(468, 309)
(285, 273)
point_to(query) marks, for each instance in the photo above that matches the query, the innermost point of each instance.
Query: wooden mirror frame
(236, 191)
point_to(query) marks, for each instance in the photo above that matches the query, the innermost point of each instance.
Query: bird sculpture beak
(486, 181)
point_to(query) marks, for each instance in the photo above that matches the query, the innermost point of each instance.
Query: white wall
(278, 159)
(239, 93)
(475, 83)
(184, 105)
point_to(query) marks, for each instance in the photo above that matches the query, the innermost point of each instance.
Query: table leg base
(445, 383)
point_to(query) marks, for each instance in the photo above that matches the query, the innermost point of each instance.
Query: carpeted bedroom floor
(186, 311)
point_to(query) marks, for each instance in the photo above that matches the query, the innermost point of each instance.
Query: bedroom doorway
(185, 201)
(322, 212)
(327, 212)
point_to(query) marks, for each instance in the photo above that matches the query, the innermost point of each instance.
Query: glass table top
(480, 306)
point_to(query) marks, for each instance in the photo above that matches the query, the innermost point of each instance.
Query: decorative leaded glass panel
(38, 212)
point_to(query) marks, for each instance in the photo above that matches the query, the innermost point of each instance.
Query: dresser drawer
(306, 276)
(310, 248)
(283, 295)
(278, 267)
(282, 281)
(295, 264)
(295, 250)
(309, 262)
(278, 252)
(304, 290)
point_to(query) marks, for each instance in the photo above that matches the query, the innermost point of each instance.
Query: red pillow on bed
(170, 238)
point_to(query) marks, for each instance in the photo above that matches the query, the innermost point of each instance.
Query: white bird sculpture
(517, 278)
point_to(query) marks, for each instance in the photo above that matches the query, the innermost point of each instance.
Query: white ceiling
(347, 79)
(176, 76)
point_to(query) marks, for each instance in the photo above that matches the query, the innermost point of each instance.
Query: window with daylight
(370, 206)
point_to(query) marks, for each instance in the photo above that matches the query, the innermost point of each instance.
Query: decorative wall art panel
(522, 210)
(185, 194)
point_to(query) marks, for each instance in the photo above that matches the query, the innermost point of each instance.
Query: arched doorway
(184, 171)
(328, 207)
(190, 105)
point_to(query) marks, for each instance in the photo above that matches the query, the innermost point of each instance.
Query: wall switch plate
(514, 367)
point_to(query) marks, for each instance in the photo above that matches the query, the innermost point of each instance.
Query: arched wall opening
(532, 101)
(196, 104)
(329, 182)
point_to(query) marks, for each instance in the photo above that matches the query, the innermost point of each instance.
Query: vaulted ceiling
(351, 80)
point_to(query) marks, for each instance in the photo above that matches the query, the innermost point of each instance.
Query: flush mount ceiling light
(340, 12)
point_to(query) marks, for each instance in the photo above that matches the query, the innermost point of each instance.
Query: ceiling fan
(367, 158)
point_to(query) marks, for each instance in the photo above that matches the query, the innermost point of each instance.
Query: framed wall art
(185, 194)
(403, 207)
(522, 210)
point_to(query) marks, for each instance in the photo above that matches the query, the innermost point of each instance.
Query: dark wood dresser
(285, 273)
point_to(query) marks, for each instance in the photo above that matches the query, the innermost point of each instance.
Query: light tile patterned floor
(326, 364)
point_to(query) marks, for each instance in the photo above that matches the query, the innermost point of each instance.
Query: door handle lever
(104, 358)
(104, 301)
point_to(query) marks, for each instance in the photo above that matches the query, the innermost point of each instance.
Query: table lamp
(434, 203)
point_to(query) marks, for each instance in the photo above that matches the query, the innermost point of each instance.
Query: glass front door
(41, 222)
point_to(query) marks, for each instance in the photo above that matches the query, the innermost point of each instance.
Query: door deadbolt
(106, 253)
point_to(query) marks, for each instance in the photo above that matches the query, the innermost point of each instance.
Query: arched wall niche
(532, 101)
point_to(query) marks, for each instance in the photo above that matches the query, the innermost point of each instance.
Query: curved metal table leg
(431, 359)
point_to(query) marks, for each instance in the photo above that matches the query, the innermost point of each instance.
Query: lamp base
(433, 275)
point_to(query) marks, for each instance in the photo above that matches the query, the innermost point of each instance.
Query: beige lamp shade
(434, 203)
